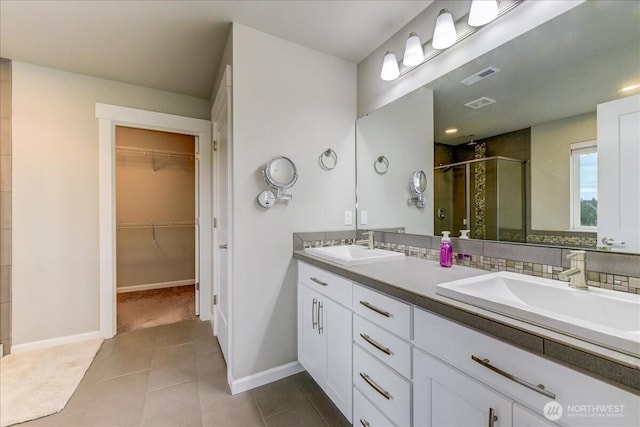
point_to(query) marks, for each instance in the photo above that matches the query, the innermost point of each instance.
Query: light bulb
(413, 53)
(444, 34)
(390, 70)
(482, 12)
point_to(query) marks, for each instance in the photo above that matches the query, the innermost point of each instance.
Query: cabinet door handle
(319, 282)
(364, 423)
(376, 344)
(320, 318)
(375, 386)
(537, 388)
(314, 323)
(376, 309)
(492, 417)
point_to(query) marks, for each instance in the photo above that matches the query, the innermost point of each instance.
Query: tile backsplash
(620, 272)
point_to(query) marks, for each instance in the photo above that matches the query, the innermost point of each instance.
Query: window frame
(577, 149)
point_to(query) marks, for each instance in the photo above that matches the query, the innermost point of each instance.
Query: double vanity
(396, 340)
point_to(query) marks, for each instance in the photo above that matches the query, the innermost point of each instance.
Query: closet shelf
(168, 224)
(155, 153)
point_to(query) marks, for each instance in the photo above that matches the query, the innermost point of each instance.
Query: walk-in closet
(155, 230)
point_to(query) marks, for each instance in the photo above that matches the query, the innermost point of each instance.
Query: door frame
(110, 116)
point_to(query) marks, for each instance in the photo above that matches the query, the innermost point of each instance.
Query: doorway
(110, 116)
(156, 251)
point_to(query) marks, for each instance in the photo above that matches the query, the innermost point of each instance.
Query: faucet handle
(577, 255)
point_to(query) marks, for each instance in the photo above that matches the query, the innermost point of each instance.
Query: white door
(197, 227)
(221, 118)
(618, 176)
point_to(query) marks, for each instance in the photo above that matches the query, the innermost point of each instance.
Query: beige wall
(55, 194)
(550, 154)
(158, 191)
(297, 102)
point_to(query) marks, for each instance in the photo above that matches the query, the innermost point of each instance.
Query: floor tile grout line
(124, 375)
(173, 385)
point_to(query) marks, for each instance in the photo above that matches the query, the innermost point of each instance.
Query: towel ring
(381, 165)
(330, 157)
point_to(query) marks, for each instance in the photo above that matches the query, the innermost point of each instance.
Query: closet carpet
(145, 309)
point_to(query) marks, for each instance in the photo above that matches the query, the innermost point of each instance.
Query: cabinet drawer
(457, 344)
(387, 347)
(391, 314)
(335, 287)
(365, 414)
(387, 390)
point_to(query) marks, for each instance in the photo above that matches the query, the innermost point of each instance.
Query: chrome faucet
(369, 241)
(576, 274)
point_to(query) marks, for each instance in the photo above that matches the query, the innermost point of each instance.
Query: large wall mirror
(523, 164)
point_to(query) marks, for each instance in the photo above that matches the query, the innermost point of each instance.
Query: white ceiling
(560, 69)
(176, 45)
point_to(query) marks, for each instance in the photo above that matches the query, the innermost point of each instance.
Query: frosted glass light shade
(390, 70)
(413, 53)
(482, 12)
(444, 34)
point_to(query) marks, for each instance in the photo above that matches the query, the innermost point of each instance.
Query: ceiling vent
(489, 71)
(480, 102)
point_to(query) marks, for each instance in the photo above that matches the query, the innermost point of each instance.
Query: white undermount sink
(353, 254)
(605, 317)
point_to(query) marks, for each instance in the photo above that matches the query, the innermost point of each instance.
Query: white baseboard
(35, 345)
(264, 377)
(149, 286)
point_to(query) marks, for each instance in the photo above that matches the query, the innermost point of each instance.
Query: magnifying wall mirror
(418, 186)
(279, 173)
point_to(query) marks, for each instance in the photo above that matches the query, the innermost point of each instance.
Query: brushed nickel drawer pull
(376, 344)
(320, 318)
(376, 309)
(314, 322)
(319, 282)
(492, 417)
(375, 386)
(537, 388)
(364, 423)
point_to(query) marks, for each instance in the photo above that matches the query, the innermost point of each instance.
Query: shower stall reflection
(486, 196)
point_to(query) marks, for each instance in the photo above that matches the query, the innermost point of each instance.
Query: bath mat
(37, 383)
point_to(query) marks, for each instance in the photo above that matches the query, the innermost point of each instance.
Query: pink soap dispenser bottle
(446, 250)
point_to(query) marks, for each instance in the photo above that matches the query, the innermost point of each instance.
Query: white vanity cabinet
(381, 359)
(451, 356)
(324, 332)
(446, 397)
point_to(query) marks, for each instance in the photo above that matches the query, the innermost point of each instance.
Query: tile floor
(174, 375)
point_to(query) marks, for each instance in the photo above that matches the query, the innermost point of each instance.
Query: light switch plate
(364, 218)
(348, 218)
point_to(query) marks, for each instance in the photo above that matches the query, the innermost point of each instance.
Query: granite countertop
(414, 280)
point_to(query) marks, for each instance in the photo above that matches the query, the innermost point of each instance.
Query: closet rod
(171, 224)
(153, 152)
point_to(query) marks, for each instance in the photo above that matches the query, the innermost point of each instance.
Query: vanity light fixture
(413, 53)
(482, 12)
(390, 70)
(452, 130)
(630, 87)
(445, 34)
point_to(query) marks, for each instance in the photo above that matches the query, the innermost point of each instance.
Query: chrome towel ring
(328, 159)
(381, 165)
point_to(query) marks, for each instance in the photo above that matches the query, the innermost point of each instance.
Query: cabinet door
(445, 397)
(335, 323)
(312, 344)
(524, 418)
